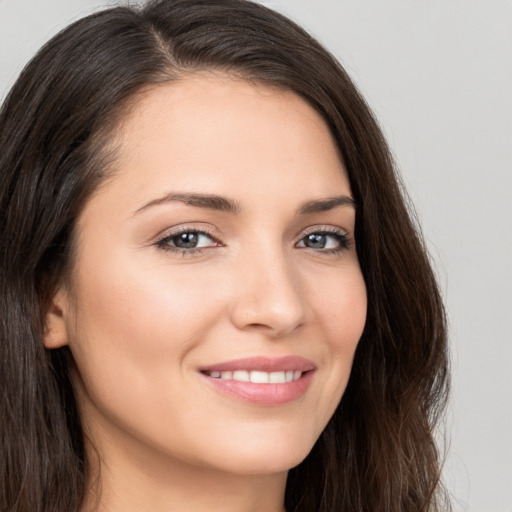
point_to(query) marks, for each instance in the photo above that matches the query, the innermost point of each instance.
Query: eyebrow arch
(323, 205)
(223, 204)
(211, 202)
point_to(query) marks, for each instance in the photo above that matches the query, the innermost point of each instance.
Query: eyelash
(164, 242)
(341, 237)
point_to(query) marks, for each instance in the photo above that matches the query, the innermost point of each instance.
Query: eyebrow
(211, 202)
(223, 204)
(324, 205)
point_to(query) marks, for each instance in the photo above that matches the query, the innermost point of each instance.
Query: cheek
(135, 336)
(136, 324)
(340, 314)
(340, 310)
(130, 301)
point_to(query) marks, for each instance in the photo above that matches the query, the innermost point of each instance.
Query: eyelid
(326, 229)
(186, 228)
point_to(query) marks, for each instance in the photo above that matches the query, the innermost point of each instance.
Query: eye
(187, 241)
(328, 241)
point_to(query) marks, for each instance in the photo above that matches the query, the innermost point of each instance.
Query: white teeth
(258, 377)
(277, 377)
(241, 375)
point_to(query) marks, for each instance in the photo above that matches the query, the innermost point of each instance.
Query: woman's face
(220, 255)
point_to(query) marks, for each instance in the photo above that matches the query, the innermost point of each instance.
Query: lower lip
(263, 394)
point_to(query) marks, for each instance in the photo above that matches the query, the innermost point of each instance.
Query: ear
(56, 330)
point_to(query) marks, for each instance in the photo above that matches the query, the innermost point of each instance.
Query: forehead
(210, 132)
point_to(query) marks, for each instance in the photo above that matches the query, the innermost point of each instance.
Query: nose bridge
(269, 293)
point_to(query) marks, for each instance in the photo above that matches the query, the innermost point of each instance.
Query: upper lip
(262, 364)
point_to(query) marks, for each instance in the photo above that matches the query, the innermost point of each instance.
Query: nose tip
(269, 301)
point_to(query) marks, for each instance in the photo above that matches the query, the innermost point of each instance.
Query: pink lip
(263, 364)
(262, 394)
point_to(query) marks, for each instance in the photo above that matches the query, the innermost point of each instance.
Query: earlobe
(56, 331)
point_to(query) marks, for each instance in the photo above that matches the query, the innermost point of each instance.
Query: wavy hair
(378, 452)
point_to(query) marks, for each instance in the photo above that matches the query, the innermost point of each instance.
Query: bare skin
(166, 284)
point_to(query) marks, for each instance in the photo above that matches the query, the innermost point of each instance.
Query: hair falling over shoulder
(378, 452)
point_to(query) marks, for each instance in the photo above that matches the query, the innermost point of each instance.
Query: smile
(260, 380)
(257, 377)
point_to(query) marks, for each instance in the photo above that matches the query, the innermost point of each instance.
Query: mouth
(260, 380)
(256, 377)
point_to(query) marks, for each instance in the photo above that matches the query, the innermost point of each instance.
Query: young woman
(213, 296)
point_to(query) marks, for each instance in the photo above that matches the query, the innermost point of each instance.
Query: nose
(269, 297)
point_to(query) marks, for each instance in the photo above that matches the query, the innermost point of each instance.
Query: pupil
(186, 240)
(316, 241)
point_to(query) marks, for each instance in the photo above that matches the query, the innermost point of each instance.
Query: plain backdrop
(438, 75)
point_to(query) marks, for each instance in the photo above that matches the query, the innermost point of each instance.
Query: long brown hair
(377, 453)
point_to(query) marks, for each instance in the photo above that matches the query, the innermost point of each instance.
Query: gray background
(438, 74)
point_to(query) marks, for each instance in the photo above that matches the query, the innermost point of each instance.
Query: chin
(259, 466)
(265, 455)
